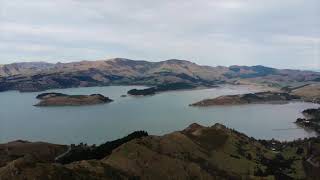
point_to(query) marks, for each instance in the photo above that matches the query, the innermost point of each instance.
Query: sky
(277, 33)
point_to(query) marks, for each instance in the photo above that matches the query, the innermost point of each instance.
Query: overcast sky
(278, 33)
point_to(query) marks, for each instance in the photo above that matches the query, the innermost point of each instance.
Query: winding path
(63, 154)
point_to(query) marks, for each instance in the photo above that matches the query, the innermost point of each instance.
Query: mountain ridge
(121, 71)
(35, 64)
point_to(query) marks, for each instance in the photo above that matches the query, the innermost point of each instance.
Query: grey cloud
(282, 34)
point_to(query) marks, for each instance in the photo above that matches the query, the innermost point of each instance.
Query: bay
(158, 115)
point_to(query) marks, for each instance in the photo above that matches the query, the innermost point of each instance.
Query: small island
(161, 88)
(251, 98)
(59, 99)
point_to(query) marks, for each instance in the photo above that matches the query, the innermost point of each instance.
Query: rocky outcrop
(59, 99)
(252, 98)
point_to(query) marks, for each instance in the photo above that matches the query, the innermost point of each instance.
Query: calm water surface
(159, 114)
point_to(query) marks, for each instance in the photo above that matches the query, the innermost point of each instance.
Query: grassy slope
(195, 153)
(221, 151)
(309, 92)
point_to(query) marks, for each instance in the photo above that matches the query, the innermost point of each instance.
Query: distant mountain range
(38, 76)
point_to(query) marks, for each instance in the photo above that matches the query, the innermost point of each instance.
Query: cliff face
(195, 153)
(42, 76)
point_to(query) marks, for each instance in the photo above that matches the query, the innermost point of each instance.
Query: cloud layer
(283, 34)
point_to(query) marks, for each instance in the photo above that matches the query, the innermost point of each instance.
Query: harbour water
(158, 114)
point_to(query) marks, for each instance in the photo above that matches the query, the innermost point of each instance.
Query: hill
(24, 68)
(196, 152)
(310, 92)
(120, 71)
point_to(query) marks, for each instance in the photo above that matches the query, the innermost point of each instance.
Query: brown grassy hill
(251, 98)
(17, 149)
(24, 68)
(310, 92)
(195, 153)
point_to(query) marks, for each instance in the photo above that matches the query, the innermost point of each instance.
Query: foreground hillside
(41, 76)
(195, 153)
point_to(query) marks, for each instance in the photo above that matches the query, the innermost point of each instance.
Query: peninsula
(251, 98)
(311, 119)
